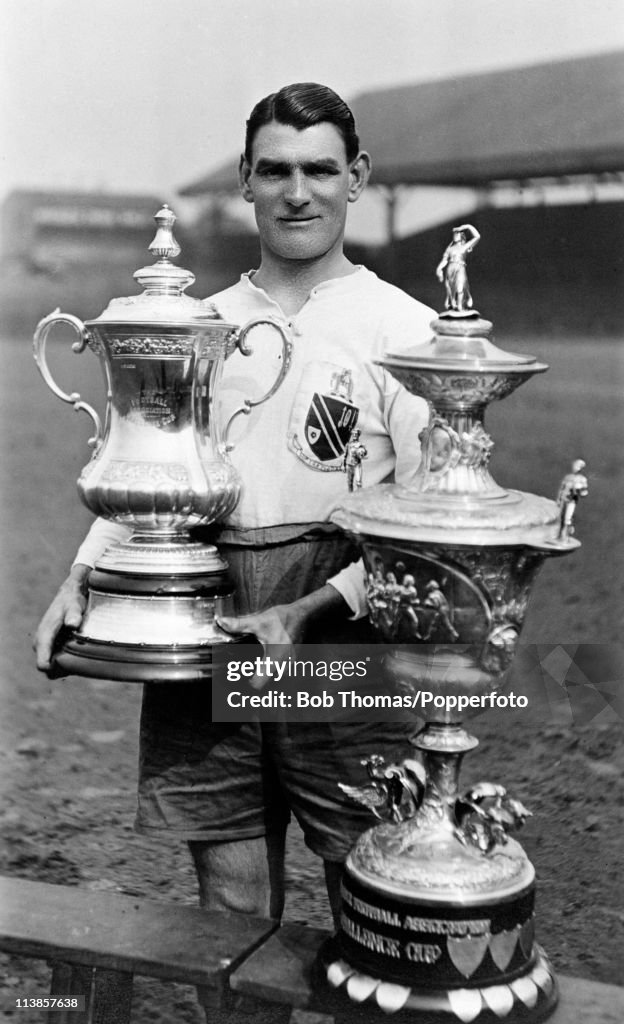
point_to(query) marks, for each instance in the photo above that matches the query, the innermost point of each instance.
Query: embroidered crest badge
(323, 417)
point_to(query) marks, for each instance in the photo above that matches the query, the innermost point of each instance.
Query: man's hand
(66, 609)
(285, 624)
(282, 624)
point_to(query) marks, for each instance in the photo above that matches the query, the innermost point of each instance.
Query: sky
(149, 95)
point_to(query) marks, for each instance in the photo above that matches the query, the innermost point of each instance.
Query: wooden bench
(97, 942)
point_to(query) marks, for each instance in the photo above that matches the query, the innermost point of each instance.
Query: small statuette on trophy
(573, 487)
(452, 268)
(355, 453)
(394, 792)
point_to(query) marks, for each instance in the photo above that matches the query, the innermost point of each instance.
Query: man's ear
(244, 174)
(359, 173)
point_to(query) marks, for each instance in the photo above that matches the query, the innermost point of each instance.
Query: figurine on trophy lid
(160, 464)
(438, 899)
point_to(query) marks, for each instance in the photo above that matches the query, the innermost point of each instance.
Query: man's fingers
(73, 618)
(237, 625)
(73, 612)
(273, 653)
(274, 629)
(43, 659)
(44, 642)
(67, 612)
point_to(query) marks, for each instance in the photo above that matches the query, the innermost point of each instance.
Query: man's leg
(243, 877)
(333, 876)
(311, 760)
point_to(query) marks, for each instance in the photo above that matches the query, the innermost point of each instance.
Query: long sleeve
(102, 534)
(350, 584)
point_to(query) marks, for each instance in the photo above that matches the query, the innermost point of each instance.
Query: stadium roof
(547, 120)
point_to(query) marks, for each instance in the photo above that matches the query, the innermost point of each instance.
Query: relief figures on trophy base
(451, 597)
(417, 599)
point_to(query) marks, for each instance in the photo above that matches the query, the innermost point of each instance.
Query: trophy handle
(39, 346)
(248, 403)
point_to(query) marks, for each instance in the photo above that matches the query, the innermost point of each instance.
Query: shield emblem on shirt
(328, 425)
(323, 417)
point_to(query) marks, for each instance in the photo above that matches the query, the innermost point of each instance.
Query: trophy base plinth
(131, 663)
(481, 933)
(432, 927)
(152, 615)
(528, 999)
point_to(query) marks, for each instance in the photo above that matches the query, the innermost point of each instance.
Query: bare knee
(244, 877)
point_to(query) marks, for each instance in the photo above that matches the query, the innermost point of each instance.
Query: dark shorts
(222, 782)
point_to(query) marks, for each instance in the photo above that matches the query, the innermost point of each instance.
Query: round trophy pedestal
(151, 615)
(133, 663)
(530, 998)
(128, 663)
(437, 914)
(440, 936)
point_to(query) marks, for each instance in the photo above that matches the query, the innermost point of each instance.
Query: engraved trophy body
(160, 465)
(438, 910)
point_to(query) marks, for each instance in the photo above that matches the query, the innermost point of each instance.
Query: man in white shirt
(229, 789)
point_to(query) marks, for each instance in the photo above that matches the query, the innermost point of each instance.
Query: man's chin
(301, 253)
(302, 248)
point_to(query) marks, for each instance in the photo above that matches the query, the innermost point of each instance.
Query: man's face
(300, 183)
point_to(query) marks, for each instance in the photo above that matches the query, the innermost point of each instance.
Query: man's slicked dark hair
(301, 105)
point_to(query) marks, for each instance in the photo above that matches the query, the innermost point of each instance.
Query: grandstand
(541, 148)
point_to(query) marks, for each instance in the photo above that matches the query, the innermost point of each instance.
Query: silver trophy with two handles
(160, 465)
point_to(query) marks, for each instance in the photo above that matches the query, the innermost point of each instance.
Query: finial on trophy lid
(164, 278)
(163, 243)
(452, 271)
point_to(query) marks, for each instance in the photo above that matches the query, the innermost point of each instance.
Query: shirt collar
(344, 283)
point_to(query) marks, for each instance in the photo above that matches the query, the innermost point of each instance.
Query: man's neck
(289, 282)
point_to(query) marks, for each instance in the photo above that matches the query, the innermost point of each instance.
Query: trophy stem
(158, 554)
(443, 747)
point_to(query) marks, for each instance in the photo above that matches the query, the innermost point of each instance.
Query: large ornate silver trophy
(160, 465)
(438, 908)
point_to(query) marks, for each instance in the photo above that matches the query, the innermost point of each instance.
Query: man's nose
(297, 190)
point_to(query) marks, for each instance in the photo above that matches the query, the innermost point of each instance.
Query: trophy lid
(453, 498)
(510, 519)
(164, 283)
(461, 344)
